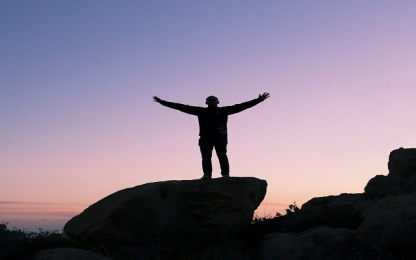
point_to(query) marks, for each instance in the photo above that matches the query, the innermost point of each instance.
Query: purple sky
(77, 120)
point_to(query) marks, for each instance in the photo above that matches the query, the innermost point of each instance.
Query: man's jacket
(212, 120)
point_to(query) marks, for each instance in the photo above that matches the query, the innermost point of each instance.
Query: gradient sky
(77, 120)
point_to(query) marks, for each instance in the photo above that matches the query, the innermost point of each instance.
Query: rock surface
(402, 163)
(377, 224)
(151, 211)
(401, 178)
(340, 202)
(342, 211)
(397, 211)
(68, 254)
(310, 244)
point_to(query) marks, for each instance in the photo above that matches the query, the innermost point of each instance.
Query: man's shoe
(226, 176)
(205, 177)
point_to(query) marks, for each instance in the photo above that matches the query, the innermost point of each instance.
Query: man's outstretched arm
(243, 106)
(181, 107)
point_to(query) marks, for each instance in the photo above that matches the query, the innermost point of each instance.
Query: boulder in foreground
(149, 212)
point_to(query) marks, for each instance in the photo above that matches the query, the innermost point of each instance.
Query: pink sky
(77, 79)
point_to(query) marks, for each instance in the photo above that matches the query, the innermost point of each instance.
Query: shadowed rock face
(401, 178)
(402, 163)
(398, 212)
(378, 224)
(149, 211)
(305, 245)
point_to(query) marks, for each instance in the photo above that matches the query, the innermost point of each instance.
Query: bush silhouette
(22, 244)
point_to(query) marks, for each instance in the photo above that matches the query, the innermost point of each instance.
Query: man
(213, 128)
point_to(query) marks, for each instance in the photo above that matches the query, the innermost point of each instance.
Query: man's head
(212, 101)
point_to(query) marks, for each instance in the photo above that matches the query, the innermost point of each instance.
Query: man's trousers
(206, 146)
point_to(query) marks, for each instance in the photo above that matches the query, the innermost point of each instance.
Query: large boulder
(342, 202)
(389, 227)
(152, 211)
(335, 211)
(398, 212)
(402, 163)
(401, 178)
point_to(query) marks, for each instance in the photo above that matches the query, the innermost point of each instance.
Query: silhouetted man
(213, 128)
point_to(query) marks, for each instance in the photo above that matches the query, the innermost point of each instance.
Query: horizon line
(11, 202)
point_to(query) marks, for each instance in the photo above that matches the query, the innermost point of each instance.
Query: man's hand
(156, 99)
(263, 96)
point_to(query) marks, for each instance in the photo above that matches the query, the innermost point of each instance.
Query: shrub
(22, 244)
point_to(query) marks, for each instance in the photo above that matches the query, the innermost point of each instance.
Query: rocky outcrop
(346, 205)
(377, 224)
(402, 163)
(395, 211)
(342, 211)
(344, 201)
(152, 211)
(401, 178)
(68, 254)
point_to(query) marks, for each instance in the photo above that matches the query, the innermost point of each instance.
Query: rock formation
(148, 212)
(401, 178)
(398, 212)
(303, 245)
(377, 224)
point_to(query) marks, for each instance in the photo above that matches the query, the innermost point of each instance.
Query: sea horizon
(33, 216)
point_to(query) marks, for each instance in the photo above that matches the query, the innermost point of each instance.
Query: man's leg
(221, 149)
(206, 147)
